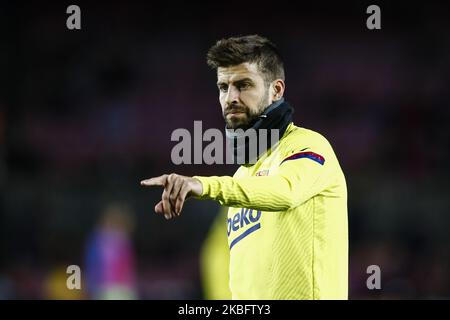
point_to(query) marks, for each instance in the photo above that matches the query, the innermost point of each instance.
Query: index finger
(155, 181)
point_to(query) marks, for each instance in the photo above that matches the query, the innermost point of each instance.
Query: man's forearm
(274, 193)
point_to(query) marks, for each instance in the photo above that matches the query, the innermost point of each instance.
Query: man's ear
(277, 89)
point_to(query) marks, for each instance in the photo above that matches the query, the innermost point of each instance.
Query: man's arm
(296, 181)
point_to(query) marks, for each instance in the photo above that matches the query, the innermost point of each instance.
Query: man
(287, 222)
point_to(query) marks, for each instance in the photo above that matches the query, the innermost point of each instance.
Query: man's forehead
(240, 71)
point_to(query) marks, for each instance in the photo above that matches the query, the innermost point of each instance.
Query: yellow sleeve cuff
(211, 186)
(205, 186)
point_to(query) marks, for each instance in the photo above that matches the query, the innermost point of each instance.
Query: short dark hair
(252, 48)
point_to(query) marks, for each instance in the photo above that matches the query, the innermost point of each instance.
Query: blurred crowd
(85, 115)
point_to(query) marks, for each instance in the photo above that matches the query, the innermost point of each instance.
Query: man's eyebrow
(236, 81)
(244, 80)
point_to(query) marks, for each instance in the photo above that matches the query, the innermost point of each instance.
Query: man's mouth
(235, 112)
(236, 115)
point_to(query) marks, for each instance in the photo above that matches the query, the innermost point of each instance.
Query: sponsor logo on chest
(248, 219)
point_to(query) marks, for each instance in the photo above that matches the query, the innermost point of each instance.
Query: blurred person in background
(215, 259)
(109, 256)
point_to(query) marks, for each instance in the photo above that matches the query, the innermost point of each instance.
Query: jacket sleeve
(301, 176)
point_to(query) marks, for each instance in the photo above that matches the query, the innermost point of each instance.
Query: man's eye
(223, 88)
(243, 86)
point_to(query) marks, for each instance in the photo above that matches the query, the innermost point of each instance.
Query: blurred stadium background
(85, 115)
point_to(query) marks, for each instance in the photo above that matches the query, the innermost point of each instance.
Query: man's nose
(232, 96)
